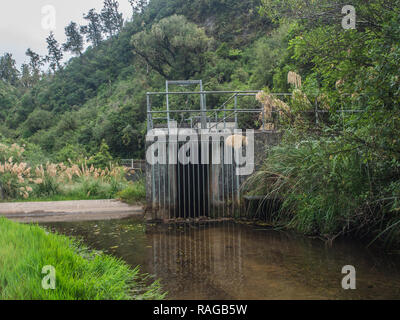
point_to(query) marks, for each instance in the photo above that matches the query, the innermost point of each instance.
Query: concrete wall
(222, 183)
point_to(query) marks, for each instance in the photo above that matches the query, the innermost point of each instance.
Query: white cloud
(21, 23)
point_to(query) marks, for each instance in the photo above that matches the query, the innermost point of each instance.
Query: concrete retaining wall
(219, 186)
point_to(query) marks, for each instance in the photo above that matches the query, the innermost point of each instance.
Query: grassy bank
(328, 193)
(134, 193)
(80, 273)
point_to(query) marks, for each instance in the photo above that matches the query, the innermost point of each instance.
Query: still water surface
(231, 261)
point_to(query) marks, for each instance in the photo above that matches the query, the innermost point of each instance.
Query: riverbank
(80, 274)
(84, 210)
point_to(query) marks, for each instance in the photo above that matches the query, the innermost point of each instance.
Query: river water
(232, 261)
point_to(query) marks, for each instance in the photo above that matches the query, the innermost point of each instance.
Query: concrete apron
(64, 211)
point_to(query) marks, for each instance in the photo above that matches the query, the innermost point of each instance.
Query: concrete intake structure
(195, 171)
(202, 189)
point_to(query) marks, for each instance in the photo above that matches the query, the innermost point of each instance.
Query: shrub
(103, 158)
(48, 187)
(328, 189)
(136, 192)
(20, 180)
(13, 180)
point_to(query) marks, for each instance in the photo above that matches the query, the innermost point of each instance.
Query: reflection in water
(231, 261)
(198, 261)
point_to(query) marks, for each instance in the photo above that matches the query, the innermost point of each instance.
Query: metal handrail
(235, 112)
(194, 111)
(201, 92)
(224, 104)
(205, 114)
(240, 94)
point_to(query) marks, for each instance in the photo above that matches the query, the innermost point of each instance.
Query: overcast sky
(22, 21)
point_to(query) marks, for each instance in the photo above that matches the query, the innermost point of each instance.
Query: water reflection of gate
(211, 261)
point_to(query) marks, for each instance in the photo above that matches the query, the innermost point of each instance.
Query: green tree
(323, 12)
(93, 30)
(37, 120)
(102, 158)
(8, 97)
(111, 18)
(74, 42)
(174, 47)
(268, 53)
(26, 77)
(35, 64)
(55, 54)
(138, 6)
(345, 177)
(74, 153)
(8, 71)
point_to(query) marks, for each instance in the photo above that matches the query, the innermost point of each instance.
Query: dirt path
(59, 211)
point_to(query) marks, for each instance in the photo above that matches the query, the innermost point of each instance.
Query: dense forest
(339, 175)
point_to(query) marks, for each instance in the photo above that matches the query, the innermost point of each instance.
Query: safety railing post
(149, 114)
(263, 119)
(236, 115)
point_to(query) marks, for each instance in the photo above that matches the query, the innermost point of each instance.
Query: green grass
(58, 197)
(82, 189)
(80, 274)
(131, 193)
(135, 193)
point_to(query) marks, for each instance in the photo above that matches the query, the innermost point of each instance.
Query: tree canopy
(174, 47)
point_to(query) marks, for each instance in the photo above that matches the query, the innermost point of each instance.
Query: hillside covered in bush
(100, 93)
